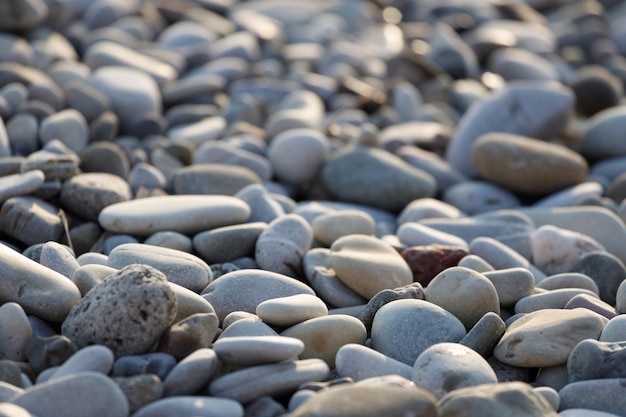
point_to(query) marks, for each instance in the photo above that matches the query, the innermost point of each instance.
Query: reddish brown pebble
(429, 260)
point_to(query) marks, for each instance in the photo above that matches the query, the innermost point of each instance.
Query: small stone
(251, 383)
(105, 157)
(416, 234)
(475, 197)
(213, 179)
(403, 329)
(300, 109)
(20, 184)
(224, 244)
(15, 332)
(500, 256)
(607, 271)
(569, 280)
(368, 265)
(591, 359)
(140, 390)
(596, 89)
(179, 267)
(411, 291)
(59, 258)
(553, 299)
(514, 399)
(512, 284)
(191, 406)
(207, 128)
(170, 240)
(429, 260)
(10, 373)
(263, 207)
(297, 155)
(600, 137)
(220, 152)
(324, 336)
(47, 399)
(327, 228)
(158, 363)
(465, 293)
(22, 15)
(360, 362)
(485, 334)
(526, 165)
(30, 220)
(446, 367)
(189, 334)
(596, 394)
(547, 337)
(123, 313)
(191, 373)
(557, 250)
(289, 311)
(372, 177)
(47, 352)
(257, 350)
(69, 126)
(94, 358)
(245, 289)
(180, 213)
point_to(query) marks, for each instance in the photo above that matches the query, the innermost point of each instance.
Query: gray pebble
(159, 364)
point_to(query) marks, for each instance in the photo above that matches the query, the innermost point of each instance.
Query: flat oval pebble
(445, 367)
(15, 332)
(360, 362)
(226, 243)
(547, 337)
(553, 299)
(367, 265)
(188, 406)
(512, 284)
(403, 329)
(596, 394)
(465, 293)
(257, 350)
(178, 213)
(244, 290)
(179, 267)
(191, 373)
(288, 311)
(128, 312)
(525, 164)
(324, 336)
(48, 399)
(327, 228)
(20, 184)
(254, 382)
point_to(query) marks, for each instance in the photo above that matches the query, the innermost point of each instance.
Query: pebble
(596, 89)
(30, 220)
(140, 390)
(512, 284)
(297, 155)
(193, 332)
(446, 367)
(300, 109)
(178, 213)
(186, 405)
(429, 260)
(190, 374)
(553, 299)
(606, 270)
(254, 382)
(500, 256)
(179, 267)
(451, 288)
(219, 152)
(47, 352)
(475, 197)
(427, 208)
(515, 399)
(215, 179)
(600, 137)
(263, 207)
(37, 289)
(20, 184)
(88, 194)
(615, 330)
(527, 165)
(94, 358)
(244, 290)
(569, 280)
(324, 336)
(591, 359)
(289, 311)
(327, 228)
(368, 265)
(69, 126)
(170, 240)
(46, 398)
(375, 178)
(257, 350)
(281, 246)
(159, 364)
(395, 333)
(122, 313)
(360, 362)
(227, 243)
(597, 394)
(547, 337)
(416, 234)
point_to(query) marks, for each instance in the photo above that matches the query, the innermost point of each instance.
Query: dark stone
(45, 352)
(190, 334)
(10, 372)
(411, 291)
(596, 89)
(159, 364)
(606, 270)
(429, 260)
(140, 389)
(591, 359)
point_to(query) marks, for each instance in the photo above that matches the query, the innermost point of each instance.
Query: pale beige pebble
(550, 394)
(416, 234)
(8, 391)
(88, 276)
(556, 250)
(476, 263)
(12, 410)
(327, 228)
(88, 258)
(38, 290)
(288, 311)
(248, 384)
(553, 299)
(15, 332)
(512, 284)
(598, 223)
(367, 265)
(324, 336)
(257, 350)
(547, 337)
(615, 330)
(236, 316)
(569, 280)
(467, 294)
(428, 208)
(187, 214)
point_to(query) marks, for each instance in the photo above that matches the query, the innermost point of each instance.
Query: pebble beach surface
(316, 208)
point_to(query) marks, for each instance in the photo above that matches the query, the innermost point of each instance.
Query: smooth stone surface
(179, 267)
(600, 137)
(327, 228)
(189, 334)
(186, 214)
(526, 165)
(48, 399)
(514, 399)
(475, 197)
(257, 350)
(244, 290)
(69, 126)
(591, 359)
(191, 406)
(226, 243)
(15, 332)
(20, 184)
(30, 220)
(297, 155)
(140, 389)
(446, 367)
(324, 336)
(547, 337)
(128, 312)
(288, 311)
(403, 329)
(37, 289)
(191, 373)
(501, 256)
(88, 194)
(529, 109)
(157, 363)
(171, 240)
(465, 293)
(361, 362)
(212, 179)
(94, 358)
(372, 177)
(416, 234)
(369, 401)
(569, 280)
(607, 271)
(512, 284)
(557, 250)
(553, 299)
(251, 383)
(615, 330)
(367, 265)
(485, 334)
(599, 394)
